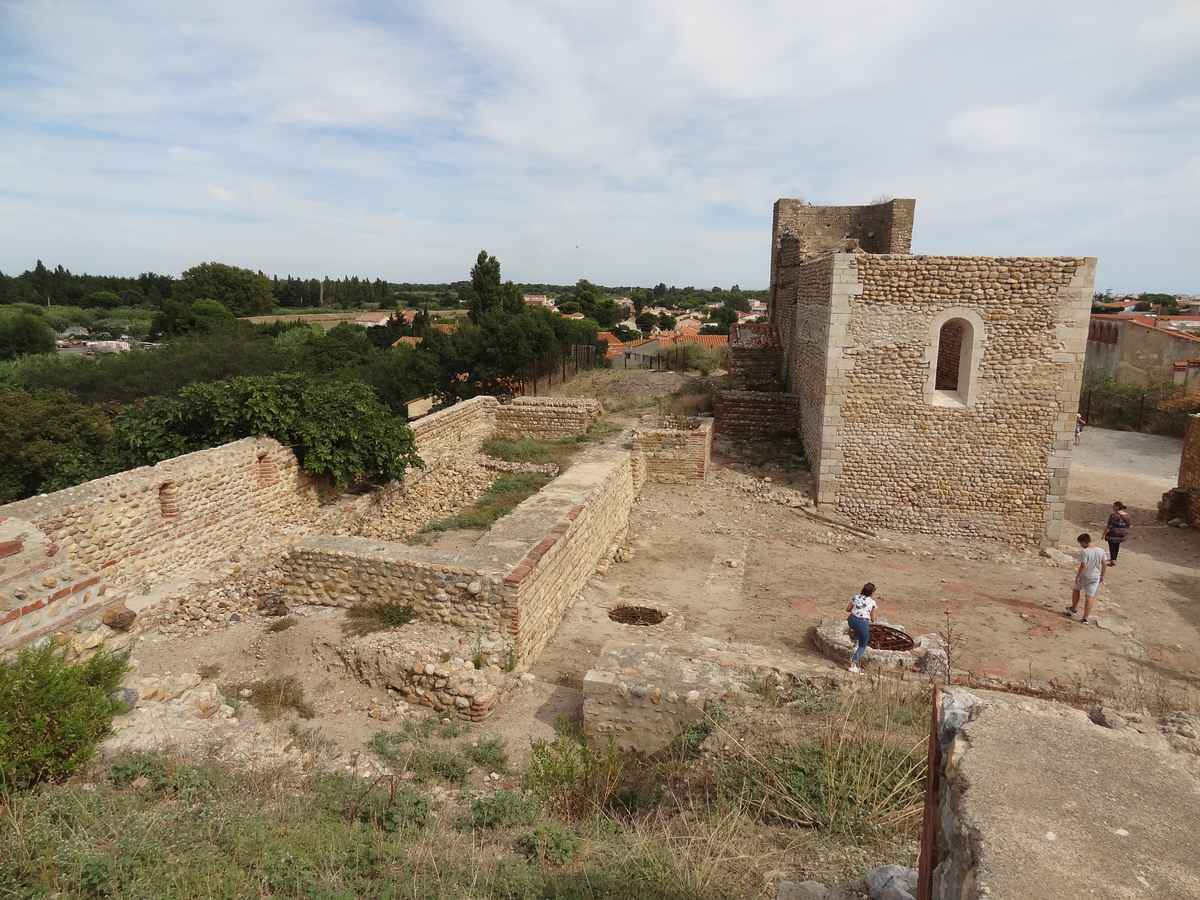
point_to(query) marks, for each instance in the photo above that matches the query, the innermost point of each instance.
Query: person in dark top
(1116, 530)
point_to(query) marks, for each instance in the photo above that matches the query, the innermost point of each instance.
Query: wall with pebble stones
(889, 452)
(546, 418)
(142, 524)
(353, 571)
(878, 228)
(457, 429)
(1189, 469)
(674, 452)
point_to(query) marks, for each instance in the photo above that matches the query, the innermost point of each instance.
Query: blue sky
(628, 143)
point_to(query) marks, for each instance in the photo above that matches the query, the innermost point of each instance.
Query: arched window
(954, 353)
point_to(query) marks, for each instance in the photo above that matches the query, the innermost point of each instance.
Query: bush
(53, 714)
(489, 754)
(24, 334)
(571, 778)
(51, 441)
(502, 809)
(549, 843)
(382, 616)
(399, 810)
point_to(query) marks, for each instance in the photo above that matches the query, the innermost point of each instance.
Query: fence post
(1141, 411)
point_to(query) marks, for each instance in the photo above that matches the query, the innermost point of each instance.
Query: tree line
(339, 398)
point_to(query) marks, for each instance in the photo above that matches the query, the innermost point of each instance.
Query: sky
(626, 143)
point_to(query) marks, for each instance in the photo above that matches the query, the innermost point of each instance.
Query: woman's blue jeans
(861, 629)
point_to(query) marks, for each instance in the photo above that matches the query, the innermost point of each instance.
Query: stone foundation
(675, 450)
(928, 656)
(546, 418)
(750, 415)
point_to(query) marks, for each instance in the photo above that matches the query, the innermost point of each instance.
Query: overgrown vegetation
(53, 713)
(272, 697)
(282, 624)
(532, 450)
(489, 754)
(384, 615)
(502, 497)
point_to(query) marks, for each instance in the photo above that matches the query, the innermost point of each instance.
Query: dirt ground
(728, 562)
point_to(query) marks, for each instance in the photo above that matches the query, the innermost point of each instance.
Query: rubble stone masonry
(888, 449)
(546, 418)
(675, 452)
(1189, 470)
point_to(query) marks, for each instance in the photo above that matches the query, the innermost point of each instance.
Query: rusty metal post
(928, 859)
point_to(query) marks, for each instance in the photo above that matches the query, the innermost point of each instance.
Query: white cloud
(624, 143)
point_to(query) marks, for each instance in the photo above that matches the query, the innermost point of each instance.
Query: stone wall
(1133, 352)
(353, 571)
(546, 418)
(1189, 470)
(886, 447)
(458, 429)
(675, 452)
(154, 522)
(748, 415)
(574, 522)
(878, 228)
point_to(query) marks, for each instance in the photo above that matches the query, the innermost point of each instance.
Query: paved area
(1153, 456)
(1088, 812)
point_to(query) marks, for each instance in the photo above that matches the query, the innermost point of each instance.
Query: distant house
(573, 315)
(541, 300)
(446, 329)
(372, 319)
(1143, 349)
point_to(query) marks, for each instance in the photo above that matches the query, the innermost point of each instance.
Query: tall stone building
(935, 393)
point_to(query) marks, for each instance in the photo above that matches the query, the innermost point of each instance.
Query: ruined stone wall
(581, 515)
(672, 454)
(1189, 469)
(748, 415)
(546, 418)
(149, 523)
(889, 450)
(458, 429)
(353, 571)
(878, 228)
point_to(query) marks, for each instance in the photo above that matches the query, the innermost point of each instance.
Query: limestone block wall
(1189, 469)
(148, 523)
(889, 450)
(878, 228)
(805, 325)
(674, 452)
(352, 571)
(546, 418)
(458, 429)
(580, 516)
(747, 415)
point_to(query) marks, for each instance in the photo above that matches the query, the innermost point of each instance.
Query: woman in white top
(862, 612)
(1088, 577)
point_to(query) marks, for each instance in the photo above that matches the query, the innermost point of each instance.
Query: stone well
(928, 655)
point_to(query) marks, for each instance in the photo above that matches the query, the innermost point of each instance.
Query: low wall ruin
(546, 418)
(676, 450)
(749, 415)
(1189, 471)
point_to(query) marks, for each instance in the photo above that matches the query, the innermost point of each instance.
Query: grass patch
(549, 844)
(272, 697)
(502, 496)
(531, 450)
(572, 779)
(502, 810)
(282, 624)
(405, 751)
(311, 739)
(54, 713)
(489, 754)
(368, 618)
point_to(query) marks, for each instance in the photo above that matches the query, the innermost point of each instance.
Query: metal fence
(555, 368)
(1128, 408)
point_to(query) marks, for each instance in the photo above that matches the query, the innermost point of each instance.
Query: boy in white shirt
(1088, 577)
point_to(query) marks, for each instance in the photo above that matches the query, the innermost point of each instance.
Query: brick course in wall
(546, 418)
(674, 452)
(885, 448)
(749, 415)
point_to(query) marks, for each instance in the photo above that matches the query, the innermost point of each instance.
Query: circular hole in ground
(637, 615)
(884, 637)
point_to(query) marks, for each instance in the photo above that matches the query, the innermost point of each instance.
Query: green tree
(338, 428)
(244, 292)
(667, 322)
(25, 333)
(606, 312)
(51, 441)
(719, 320)
(105, 299)
(485, 286)
(646, 321)
(568, 307)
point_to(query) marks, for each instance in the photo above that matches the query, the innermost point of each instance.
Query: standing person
(1116, 530)
(1088, 577)
(1080, 421)
(862, 613)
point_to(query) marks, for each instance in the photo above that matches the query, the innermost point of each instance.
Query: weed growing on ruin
(273, 697)
(501, 498)
(501, 810)
(549, 843)
(310, 739)
(444, 764)
(572, 779)
(54, 713)
(489, 754)
(209, 671)
(531, 450)
(449, 730)
(282, 624)
(368, 618)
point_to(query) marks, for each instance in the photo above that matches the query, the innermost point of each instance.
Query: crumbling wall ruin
(1189, 471)
(547, 418)
(676, 451)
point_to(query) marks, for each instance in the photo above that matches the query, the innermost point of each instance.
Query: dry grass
(272, 697)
